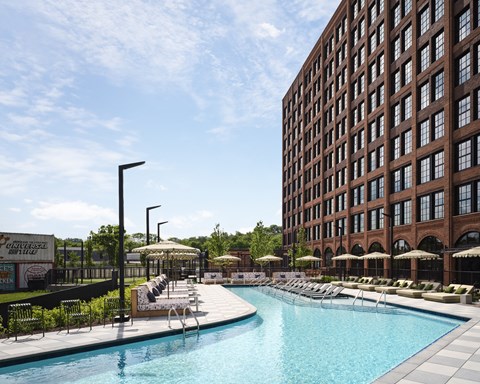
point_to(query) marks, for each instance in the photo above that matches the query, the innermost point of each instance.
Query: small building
(24, 257)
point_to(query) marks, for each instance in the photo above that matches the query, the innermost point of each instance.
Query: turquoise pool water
(283, 343)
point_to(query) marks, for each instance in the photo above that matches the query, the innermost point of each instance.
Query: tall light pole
(148, 236)
(340, 229)
(390, 222)
(158, 229)
(148, 221)
(121, 258)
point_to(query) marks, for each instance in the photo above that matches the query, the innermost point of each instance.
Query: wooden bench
(21, 314)
(73, 310)
(112, 309)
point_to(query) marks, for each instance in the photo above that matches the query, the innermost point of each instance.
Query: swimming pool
(283, 343)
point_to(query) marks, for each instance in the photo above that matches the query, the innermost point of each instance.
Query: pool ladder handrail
(184, 322)
(384, 295)
(359, 293)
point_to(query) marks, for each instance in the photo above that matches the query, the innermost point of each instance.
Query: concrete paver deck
(453, 359)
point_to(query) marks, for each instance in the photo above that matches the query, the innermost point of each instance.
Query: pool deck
(454, 359)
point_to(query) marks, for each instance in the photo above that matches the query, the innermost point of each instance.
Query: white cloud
(268, 30)
(74, 211)
(188, 221)
(13, 209)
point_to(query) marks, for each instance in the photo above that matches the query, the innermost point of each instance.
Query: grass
(15, 296)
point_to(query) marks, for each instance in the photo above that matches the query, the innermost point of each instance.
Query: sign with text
(25, 247)
(7, 277)
(27, 272)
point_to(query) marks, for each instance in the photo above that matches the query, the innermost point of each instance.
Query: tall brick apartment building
(383, 123)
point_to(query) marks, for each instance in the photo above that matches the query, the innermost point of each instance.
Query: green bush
(54, 319)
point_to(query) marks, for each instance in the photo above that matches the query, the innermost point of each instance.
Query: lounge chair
(330, 293)
(355, 284)
(374, 284)
(419, 290)
(451, 294)
(392, 290)
(351, 279)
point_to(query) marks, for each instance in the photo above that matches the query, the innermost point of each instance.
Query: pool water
(283, 343)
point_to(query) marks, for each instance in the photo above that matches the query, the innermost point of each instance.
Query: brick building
(383, 123)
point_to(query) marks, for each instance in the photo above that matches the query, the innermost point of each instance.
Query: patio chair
(74, 311)
(113, 310)
(21, 314)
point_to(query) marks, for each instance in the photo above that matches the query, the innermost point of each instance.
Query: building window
(407, 106)
(402, 178)
(431, 206)
(397, 15)
(358, 222)
(407, 141)
(425, 170)
(424, 208)
(424, 95)
(438, 46)
(463, 25)
(424, 58)
(463, 112)
(375, 219)
(438, 9)
(376, 189)
(438, 85)
(358, 194)
(396, 82)
(407, 72)
(407, 6)
(438, 165)
(396, 48)
(424, 20)
(463, 68)
(396, 115)
(424, 133)
(402, 213)
(438, 125)
(341, 202)
(407, 37)
(396, 148)
(464, 199)
(464, 155)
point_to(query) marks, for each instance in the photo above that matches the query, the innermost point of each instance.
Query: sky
(192, 87)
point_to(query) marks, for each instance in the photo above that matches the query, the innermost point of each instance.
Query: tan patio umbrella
(310, 258)
(417, 254)
(375, 256)
(472, 252)
(345, 256)
(168, 250)
(227, 258)
(269, 259)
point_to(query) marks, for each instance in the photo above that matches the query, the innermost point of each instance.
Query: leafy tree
(218, 244)
(73, 259)
(300, 248)
(89, 252)
(261, 244)
(106, 241)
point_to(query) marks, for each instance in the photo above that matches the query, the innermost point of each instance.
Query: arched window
(358, 250)
(328, 257)
(470, 239)
(401, 246)
(431, 244)
(376, 247)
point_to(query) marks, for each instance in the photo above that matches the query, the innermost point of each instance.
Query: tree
(300, 248)
(89, 252)
(261, 243)
(106, 241)
(218, 244)
(73, 259)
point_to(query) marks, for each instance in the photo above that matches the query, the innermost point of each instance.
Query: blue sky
(193, 88)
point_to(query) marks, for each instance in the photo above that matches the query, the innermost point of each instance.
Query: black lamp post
(148, 221)
(158, 229)
(390, 222)
(121, 258)
(148, 236)
(340, 230)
